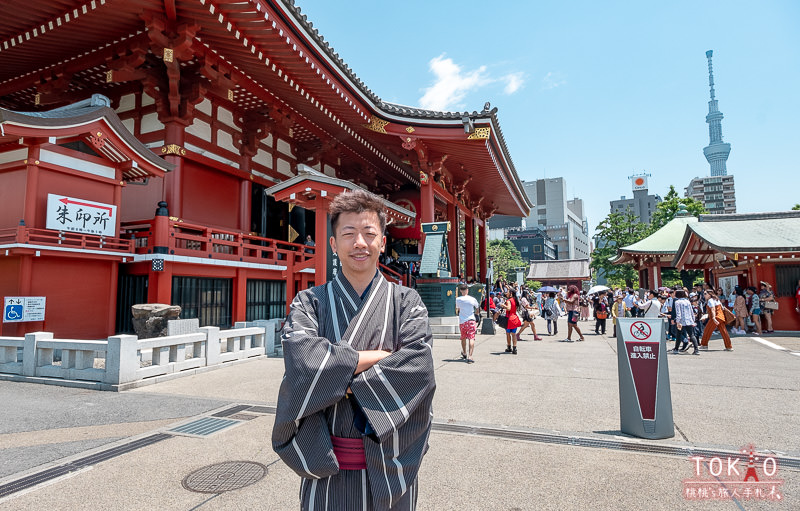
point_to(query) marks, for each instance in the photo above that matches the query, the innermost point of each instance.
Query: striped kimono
(390, 404)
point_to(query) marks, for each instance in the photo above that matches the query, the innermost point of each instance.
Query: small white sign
(639, 182)
(17, 309)
(79, 215)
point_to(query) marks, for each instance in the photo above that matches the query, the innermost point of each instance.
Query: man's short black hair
(463, 287)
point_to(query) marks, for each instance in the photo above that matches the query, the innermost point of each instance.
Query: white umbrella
(597, 289)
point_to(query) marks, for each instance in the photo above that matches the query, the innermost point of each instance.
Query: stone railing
(124, 361)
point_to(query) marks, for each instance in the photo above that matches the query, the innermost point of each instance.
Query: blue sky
(596, 91)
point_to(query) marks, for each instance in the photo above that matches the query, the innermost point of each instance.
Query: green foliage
(506, 257)
(668, 208)
(617, 230)
(796, 207)
(533, 284)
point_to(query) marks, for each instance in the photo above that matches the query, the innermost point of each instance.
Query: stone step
(444, 329)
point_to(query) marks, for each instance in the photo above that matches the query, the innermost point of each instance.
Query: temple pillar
(173, 182)
(321, 244)
(452, 238)
(245, 196)
(482, 250)
(426, 203)
(469, 239)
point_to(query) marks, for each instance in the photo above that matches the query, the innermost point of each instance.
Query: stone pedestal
(150, 319)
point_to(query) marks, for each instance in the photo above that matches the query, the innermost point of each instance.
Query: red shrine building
(139, 139)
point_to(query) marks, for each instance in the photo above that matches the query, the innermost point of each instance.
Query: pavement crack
(681, 432)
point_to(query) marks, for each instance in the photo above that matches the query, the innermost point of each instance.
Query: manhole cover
(223, 477)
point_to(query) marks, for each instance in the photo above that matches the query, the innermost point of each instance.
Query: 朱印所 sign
(80, 215)
(17, 309)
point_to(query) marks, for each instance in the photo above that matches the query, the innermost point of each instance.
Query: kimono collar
(346, 287)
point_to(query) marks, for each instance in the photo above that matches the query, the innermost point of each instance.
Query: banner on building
(80, 215)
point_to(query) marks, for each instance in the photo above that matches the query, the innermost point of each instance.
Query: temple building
(183, 152)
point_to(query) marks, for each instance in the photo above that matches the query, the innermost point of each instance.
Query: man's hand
(369, 358)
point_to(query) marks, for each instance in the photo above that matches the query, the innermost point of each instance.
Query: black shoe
(696, 352)
(508, 350)
(463, 355)
(514, 351)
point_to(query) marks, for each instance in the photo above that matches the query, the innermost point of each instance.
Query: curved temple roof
(82, 118)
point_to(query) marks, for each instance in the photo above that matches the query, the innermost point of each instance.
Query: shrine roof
(761, 233)
(82, 118)
(664, 241)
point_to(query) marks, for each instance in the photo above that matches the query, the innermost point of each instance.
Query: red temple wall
(139, 202)
(65, 184)
(78, 295)
(209, 196)
(12, 197)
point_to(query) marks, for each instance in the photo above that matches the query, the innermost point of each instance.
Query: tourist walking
(600, 314)
(755, 308)
(551, 311)
(510, 306)
(466, 307)
(650, 308)
(740, 310)
(684, 322)
(618, 310)
(716, 320)
(584, 303)
(527, 315)
(572, 304)
(767, 298)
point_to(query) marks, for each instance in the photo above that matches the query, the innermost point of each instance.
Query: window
(524, 248)
(786, 277)
(207, 299)
(537, 248)
(266, 299)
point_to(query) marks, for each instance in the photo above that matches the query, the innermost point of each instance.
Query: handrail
(53, 237)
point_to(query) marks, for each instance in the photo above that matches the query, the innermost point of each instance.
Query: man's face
(358, 241)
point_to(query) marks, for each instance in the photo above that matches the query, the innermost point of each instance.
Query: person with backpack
(551, 311)
(600, 314)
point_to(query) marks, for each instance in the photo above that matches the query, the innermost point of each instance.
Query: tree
(796, 207)
(505, 257)
(617, 230)
(666, 211)
(668, 208)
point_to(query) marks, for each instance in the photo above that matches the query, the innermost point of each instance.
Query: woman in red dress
(510, 305)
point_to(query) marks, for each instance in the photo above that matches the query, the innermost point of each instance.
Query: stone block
(29, 351)
(212, 345)
(121, 359)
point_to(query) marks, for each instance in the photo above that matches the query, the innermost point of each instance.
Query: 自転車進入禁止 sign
(18, 309)
(645, 402)
(80, 215)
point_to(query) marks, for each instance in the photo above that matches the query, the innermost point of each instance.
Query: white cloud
(552, 80)
(514, 82)
(452, 84)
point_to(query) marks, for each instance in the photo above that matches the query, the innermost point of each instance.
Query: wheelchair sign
(17, 309)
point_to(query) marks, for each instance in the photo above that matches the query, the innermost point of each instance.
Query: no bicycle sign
(640, 330)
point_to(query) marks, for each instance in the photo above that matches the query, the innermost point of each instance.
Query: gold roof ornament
(377, 124)
(480, 134)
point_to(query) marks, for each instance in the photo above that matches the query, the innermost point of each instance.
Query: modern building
(642, 204)
(716, 192)
(562, 219)
(533, 244)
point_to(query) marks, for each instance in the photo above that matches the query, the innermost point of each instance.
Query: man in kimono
(354, 409)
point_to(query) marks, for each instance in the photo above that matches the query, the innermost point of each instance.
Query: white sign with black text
(80, 215)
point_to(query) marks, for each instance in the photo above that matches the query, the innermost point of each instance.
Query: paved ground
(492, 447)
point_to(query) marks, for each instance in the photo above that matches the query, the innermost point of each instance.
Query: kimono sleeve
(394, 391)
(317, 375)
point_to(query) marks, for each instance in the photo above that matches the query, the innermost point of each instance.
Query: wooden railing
(210, 243)
(50, 237)
(392, 275)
